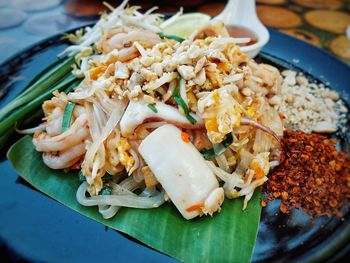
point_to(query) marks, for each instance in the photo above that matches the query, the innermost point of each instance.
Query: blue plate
(36, 228)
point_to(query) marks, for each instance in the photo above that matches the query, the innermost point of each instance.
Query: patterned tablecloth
(321, 22)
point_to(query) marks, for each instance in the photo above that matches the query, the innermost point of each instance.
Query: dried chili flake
(312, 175)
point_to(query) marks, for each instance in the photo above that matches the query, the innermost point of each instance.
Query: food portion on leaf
(137, 77)
(141, 73)
(171, 111)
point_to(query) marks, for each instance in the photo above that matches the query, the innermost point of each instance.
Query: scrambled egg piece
(260, 165)
(124, 156)
(96, 72)
(221, 114)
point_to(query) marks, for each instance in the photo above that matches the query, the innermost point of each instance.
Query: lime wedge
(186, 24)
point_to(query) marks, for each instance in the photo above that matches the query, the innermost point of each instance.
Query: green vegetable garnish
(67, 116)
(182, 104)
(42, 84)
(218, 148)
(56, 76)
(152, 107)
(82, 178)
(22, 111)
(9, 121)
(176, 38)
(46, 71)
(106, 190)
(69, 88)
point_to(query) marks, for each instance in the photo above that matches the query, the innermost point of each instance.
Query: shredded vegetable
(218, 148)
(182, 104)
(152, 108)
(67, 116)
(176, 38)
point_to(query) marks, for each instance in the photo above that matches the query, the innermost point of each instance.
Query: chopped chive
(176, 38)
(82, 178)
(152, 108)
(182, 104)
(218, 148)
(106, 190)
(67, 116)
(72, 86)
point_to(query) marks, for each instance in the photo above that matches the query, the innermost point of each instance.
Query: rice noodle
(41, 127)
(119, 200)
(126, 187)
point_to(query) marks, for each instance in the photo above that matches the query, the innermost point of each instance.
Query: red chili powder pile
(312, 175)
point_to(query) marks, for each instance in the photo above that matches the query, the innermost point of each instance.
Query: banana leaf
(226, 237)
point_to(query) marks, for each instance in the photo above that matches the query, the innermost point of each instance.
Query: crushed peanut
(307, 106)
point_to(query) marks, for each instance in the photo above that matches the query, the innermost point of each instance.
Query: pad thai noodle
(158, 118)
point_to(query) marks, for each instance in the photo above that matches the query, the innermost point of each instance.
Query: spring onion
(45, 71)
(22, 111)
(16, 118)
(119, 200)
(106, 190)
(82, 178)
(67, 116)
(41, 85)
(182, 104)
(176, 38)
(152, 108)
(218, 148)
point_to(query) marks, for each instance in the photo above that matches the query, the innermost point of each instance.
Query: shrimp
(64, 159)
(77, 133)
(59, 101)
(212, 28)
(123, 38)
(270, 77)
(127, 54)
(54, 122)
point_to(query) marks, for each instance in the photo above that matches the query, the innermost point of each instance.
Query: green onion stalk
(179, 100)
(43, 83)
(218, 148)
(173, 37)
(67, 116)
(29, 101)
